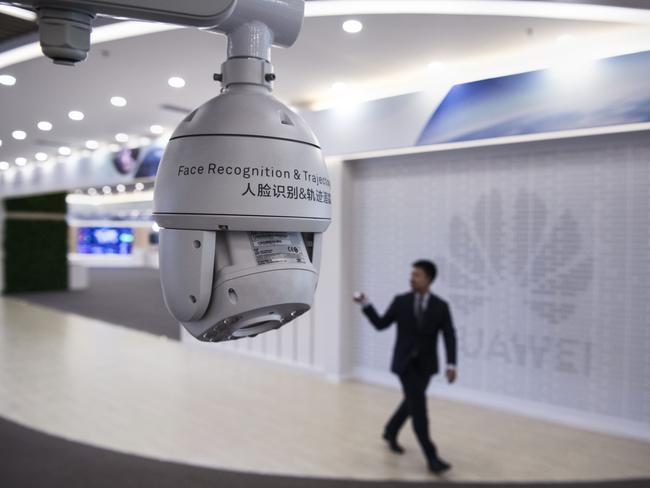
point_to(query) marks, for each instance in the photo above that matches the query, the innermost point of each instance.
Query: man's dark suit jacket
(412, 340)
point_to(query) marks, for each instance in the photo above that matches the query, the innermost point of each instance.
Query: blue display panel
(597, 93)
(105, 240)
(149, 165)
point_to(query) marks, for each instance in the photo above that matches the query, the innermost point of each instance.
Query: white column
(332, 303)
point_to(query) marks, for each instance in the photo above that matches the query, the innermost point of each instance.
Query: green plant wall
(51, 203)
(36, 244)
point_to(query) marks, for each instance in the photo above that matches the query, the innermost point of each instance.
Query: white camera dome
(242, 161)
(242, 197)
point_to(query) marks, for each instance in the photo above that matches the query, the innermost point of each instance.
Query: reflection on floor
(126, 296)
(121, 389)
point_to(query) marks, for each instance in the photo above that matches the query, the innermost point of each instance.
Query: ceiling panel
(138, 68)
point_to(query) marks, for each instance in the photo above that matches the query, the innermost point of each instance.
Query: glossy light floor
(129, 391)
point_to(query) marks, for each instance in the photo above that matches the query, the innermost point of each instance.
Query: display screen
(149, 165)
(105, 240)
(125, 160)
(569, 96)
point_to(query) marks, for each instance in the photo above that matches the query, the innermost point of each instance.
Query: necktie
(419, 309)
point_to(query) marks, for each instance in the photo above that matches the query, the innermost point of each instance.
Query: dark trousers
(414, 385)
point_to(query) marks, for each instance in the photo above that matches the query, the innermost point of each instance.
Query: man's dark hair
(428, 267)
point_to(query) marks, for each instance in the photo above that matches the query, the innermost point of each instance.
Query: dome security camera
(242, 197)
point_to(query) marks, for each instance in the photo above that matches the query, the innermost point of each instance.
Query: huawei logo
(519, 253)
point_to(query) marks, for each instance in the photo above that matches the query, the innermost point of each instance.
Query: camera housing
(242, 198)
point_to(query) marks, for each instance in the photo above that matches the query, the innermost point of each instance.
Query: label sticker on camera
(278, 247)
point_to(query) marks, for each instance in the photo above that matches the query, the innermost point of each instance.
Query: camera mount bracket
(252, 26)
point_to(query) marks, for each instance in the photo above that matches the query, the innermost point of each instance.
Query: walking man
(420, 317)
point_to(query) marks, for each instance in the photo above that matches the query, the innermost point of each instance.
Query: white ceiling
(389, 56)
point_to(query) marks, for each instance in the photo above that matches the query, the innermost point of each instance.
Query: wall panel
(544, 256)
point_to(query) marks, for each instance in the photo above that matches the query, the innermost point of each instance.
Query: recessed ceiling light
(106, 190)
(21, 161)
(0, 142)
(65, 151)
(176, 82)
(92, 144)
(156, 129)
(120, 188)
(76, 115)
(352, 26)
(44, 125)
(92, 192)
(139, 186)
(564, 39)
(40, 156)
(121, 137)
(4, 165)
(436, 66)
(7, 80)
(19, 135)
(118, 101)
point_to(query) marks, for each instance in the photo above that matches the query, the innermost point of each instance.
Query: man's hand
(360, 298)
(451, 375)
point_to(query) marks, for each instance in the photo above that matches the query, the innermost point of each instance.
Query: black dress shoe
(437, 465)
(392, 443)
